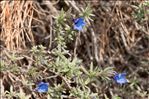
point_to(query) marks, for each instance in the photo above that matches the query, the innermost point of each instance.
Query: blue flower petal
(42, 87)
(79, 23)
(76, 20)
(121, 81)
(120, 78)
(78, 28)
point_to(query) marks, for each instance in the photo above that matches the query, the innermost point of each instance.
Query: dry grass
(16, 18)
(115, 38)
(19, 20)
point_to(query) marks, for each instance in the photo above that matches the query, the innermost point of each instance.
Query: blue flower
(120, 78)
(79, 23)
(42, 87)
